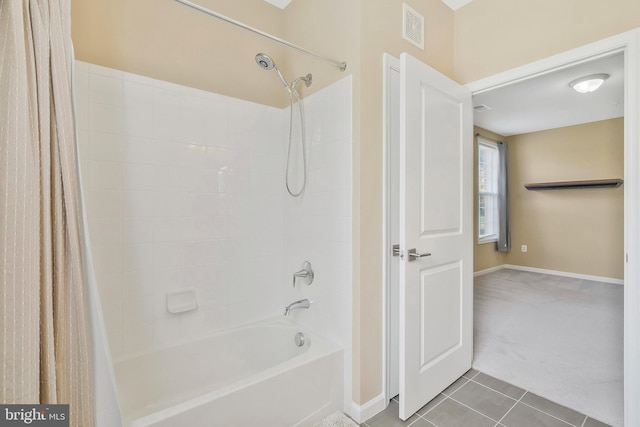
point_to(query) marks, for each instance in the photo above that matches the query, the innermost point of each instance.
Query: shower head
(265, 62)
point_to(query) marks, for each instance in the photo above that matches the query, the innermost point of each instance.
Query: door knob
(413, 255)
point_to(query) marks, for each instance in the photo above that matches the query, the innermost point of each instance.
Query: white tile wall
(185, 190)
(318, 225)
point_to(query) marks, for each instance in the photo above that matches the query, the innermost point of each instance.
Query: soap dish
(181, 301)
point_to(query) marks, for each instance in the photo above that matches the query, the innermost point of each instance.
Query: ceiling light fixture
(588, 84)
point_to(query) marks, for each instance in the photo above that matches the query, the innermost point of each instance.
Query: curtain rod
(490, 139)
(341, 65)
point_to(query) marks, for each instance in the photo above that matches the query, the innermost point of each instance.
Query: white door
(436, 284)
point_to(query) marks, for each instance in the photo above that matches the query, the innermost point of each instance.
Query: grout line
(419, 417)
(474, 410)
(537, 409)
(497, 391)
(434, 407)
(519, 400)
(464, 384)
(552, 416)
(507, 413)
(472, 376)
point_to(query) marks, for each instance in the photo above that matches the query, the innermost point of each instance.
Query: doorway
(627, 43)
(551, 319)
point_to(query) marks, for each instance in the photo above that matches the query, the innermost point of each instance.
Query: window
(487, 191)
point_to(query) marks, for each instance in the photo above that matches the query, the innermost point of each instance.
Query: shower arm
(341, 65)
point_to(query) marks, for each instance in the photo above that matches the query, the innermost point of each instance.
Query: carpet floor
(561, 338)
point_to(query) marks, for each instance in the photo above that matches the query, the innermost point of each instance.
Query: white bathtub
(254, 375)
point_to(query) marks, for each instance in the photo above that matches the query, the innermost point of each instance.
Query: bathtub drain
(299, 339)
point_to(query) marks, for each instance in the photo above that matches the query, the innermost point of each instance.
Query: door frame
(391, 64)
(629, 43)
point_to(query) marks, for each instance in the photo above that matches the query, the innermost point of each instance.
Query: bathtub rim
(267, 320)
(318, 347)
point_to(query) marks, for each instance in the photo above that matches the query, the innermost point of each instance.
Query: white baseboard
(489, 270)
(361, 413)
(565, 274)
(553, 272)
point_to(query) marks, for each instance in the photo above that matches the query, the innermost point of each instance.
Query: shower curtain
(504, 215)
(44, 341)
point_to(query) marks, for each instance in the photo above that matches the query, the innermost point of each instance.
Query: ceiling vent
(412, 26)
(480, 108)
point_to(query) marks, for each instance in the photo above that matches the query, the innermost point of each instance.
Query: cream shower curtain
(44, 342)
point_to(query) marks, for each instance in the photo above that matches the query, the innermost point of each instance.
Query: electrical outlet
(523, 248)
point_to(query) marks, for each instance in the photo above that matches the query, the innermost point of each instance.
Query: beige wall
(484, 255)
(169, 41)
(578, 231)
(330, 28)
(492, 36)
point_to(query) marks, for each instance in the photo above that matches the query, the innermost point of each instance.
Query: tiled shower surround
(185, 190)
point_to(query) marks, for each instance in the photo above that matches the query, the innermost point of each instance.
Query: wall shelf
(563, 185)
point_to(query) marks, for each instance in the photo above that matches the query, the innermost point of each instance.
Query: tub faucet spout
(303, 303)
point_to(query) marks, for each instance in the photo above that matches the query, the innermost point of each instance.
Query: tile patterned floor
(478, 400)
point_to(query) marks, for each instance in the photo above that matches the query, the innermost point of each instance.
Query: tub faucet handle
(305, 273)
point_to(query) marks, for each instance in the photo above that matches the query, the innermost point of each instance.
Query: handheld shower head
(265, 62)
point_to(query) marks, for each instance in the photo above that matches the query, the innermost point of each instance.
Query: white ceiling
(279, 3)
(456, 4)
(547, 101)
